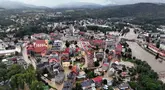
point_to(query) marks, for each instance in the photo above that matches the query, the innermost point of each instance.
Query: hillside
(79, 5)
(136, 10)
(7, 4)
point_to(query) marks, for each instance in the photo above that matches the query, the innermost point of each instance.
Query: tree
(105, 81)
(15, 41)
(129, 50)
(36, 85)
(32, 53)
(107, 51)
(158, 44)
(38, 60)
(16, 53)
(110, 88)
(75, 42)
(97, 47)
(133, 85)
(78, 87)
(17, 81)
(3, 72)
(96, 64)
(15, 69)
(67, 44)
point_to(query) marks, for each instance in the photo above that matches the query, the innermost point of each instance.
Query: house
(66, 64)
(59, 79)
(67, 85)
(124, 86)
(97, 80)
(99, 55)
(57, 45)
(118, 49)
(87, 84)
(105, 66)
(111, 71)
(40, 46)
(71, 76)
(65, 56)
(100, 43)
(81, 75)
(75, 69)
(53, 60)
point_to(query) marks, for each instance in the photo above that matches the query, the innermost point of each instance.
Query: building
(100, 43)
(75, 70)
(57, 45)
(105, 66)
(97, 81)
(71, 76)
(40, 46)
(67, 85)
(59, 79)
(87, 84)
(124, 86)
(66, 64)
(118, 49)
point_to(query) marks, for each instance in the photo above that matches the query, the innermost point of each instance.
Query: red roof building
(118, 49)
(75, 70)
(97, 79)
(53, 60)
(156, 50)
(40, 46)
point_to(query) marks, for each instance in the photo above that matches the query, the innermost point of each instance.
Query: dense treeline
(98, 28)
(16, 77)
(142, 75)
(147, 78)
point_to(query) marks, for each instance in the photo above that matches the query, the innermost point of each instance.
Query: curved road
(25, 56)
(140, 53)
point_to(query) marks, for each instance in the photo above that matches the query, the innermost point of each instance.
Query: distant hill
(136, 10)
(79, 5)
(7, 4)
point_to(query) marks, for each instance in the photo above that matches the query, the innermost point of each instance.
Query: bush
(134, 58)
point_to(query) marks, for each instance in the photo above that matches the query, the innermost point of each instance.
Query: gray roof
(60, 77)
(71, 75)
(67, 85)
(86, 83)
(123, 86)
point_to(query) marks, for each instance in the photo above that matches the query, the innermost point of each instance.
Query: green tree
(133, 85)
(107, 51)
(15, 69)
(105, 81)
(158, 44)
(36, 85)
(96, 64)
(110, 88)
(67, 44)
(3, 72)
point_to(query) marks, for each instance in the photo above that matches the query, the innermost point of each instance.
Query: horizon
(55, 3)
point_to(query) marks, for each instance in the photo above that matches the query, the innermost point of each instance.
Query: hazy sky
(103, 2)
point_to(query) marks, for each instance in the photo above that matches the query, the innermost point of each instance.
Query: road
(25, 56)
(140, 53)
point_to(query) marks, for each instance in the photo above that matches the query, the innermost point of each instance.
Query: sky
(52, 3)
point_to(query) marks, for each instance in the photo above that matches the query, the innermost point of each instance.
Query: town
(44, 50)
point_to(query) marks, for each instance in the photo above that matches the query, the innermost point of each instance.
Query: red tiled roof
(74, 69)
(119, 47)
(40, 46)
(53, 60)
(105, 64)
(81, 33)
(77, 49)
(66, 50)
(98, 41)
(97, 79)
